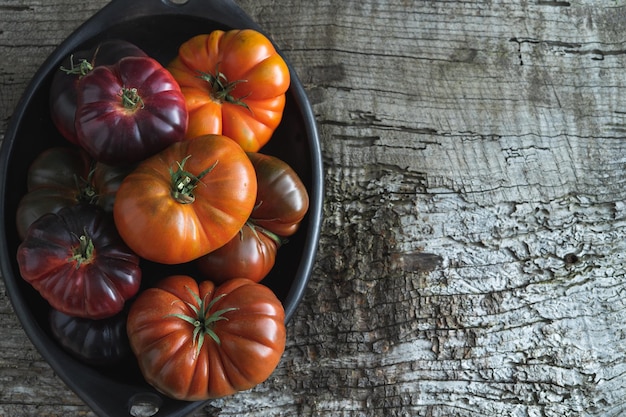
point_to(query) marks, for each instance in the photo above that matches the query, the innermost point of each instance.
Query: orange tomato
(187, 200)
(234, 83)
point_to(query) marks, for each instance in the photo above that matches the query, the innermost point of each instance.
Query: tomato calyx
(184, 182)
(86, 191)
(131, 99)
(201, 320)
(221, 89)
(83, 67)
(256, 229)
(83, 253)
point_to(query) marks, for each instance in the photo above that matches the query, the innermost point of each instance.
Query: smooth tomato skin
(63, 89)
(250, 254)
(159, 227)
(252, 337)
(282, 199)
(96, 342)
(95, 288)
(247, 58)
(116, 134)
(65, 176)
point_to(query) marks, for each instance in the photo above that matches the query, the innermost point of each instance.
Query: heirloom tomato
(64, 176)
(95, 342)
(234, 83)
(282, 199)
(281, 203)
(129, 111)
(195, 341)
(187, 200)
(65, 80)
(250, 254)
(78, 262)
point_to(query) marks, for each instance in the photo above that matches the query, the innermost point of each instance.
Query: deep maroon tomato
(95, 342)
(72, 69)
(129, 111)
(78, 262)
(64, 176)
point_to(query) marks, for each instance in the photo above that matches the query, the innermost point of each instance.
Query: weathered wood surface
(472, 253)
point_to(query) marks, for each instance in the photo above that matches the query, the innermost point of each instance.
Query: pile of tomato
(164, 164)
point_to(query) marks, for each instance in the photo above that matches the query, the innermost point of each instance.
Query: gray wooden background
(471, 261)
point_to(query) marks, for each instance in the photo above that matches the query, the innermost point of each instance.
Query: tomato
(65, 80)
(234, 83)
(250, 254)
(187, 200)
(281, 203)
(95, 342)
(78, 263)
(195, 341)
(282, 200)
(129, 111)
(64, 176)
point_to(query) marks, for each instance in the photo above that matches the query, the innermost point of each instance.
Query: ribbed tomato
(234, 83)
(187, 200)
(129, 111)
(78, 262)
(194, 341)
(63, 88)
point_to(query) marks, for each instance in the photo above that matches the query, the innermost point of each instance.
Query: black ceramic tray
(158, 27)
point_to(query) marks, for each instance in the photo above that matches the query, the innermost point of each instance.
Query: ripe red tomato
(234, 83)
(187, 200)
(63, 88)
(63, 176)
(78, 263)
(129, 111)
(281, 203)
(196, 342)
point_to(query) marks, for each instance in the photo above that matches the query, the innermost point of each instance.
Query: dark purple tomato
(65, 79)
(129, 111)
(95, 342)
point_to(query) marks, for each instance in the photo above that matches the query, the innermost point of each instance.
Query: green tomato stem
(201, 320)
(184, 182)
(131, 99)
(221, 89)
(83, 253)
(83, 67)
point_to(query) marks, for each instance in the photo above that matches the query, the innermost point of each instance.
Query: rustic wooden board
(472, 254)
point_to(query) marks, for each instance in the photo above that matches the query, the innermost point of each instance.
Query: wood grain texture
(472, 260)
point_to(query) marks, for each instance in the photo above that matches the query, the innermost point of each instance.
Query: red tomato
(250, 254)
(129, 111)
(196, 342)
(186, 201)
(234, 83)
(78, 263)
